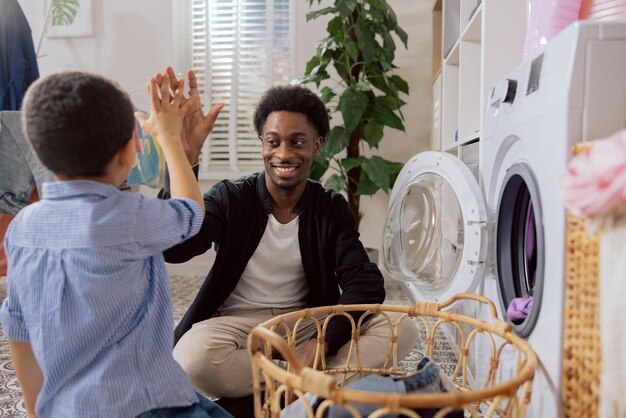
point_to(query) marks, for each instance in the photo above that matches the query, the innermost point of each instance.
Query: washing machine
(505, 239)
(573, 90)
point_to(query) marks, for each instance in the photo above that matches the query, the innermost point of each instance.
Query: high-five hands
(168, 111)
(196, 125)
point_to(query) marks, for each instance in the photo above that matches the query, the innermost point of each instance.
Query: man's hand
(307, 353)
(196, 125)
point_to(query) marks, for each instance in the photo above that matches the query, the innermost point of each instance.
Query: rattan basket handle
(259, 334)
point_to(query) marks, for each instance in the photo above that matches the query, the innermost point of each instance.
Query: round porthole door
(434, 237)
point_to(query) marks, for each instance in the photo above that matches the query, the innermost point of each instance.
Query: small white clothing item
(274, 276)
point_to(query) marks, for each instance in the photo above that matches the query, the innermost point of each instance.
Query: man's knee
(212, 366)
(408, 334)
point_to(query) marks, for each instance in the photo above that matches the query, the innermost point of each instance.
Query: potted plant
(359, 52)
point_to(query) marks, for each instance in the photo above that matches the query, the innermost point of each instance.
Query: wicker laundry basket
(284, 383)
(582, 353)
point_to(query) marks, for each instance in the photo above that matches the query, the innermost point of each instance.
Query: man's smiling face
(289, 144)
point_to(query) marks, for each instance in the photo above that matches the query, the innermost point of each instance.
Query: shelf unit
(475, 44)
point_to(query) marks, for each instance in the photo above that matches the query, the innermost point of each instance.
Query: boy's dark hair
(292, 98)
(77, 122)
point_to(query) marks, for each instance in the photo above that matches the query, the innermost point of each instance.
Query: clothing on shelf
(18, 62)
(20, 169)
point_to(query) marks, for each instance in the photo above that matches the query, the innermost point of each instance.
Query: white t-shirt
(274, 276)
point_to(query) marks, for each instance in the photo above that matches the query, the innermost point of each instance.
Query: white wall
(134, 39)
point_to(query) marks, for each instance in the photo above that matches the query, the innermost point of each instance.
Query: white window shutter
(238, 49)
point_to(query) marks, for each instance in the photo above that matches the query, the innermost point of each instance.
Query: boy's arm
(28, 373)
(165, 125)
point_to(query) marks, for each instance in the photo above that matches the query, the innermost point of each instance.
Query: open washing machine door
(435, 238)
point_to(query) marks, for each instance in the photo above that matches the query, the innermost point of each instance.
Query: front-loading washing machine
(573, 90)
(441, 239)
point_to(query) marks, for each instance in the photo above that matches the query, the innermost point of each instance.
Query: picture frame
(69, 18)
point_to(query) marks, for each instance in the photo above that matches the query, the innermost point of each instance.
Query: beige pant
(215, 356)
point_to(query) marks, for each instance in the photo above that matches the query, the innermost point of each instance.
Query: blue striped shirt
(88, 288)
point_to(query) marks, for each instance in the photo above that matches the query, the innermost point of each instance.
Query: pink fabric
(594, 182)
(519, 309)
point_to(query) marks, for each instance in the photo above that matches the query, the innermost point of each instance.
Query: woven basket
(582, 353)
(286, 381)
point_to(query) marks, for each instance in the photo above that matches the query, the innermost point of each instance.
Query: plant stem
(354, 175)
(353, 150)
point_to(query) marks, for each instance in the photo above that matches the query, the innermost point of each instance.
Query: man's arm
(28, 373)
(360, 280)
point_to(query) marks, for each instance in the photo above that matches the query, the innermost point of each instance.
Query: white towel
(612, 316)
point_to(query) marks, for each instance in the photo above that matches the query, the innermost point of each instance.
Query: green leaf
(376, 170)
(366, 40)
(352, 105)
(402, 35)
(64, 12)
(373, 133)
(394, 169)
(366, 187)
(311, 65)
(400, 84)
(353, 50)
(336, 141)
(335, 27)
(346, 7)
(318, 168)
(327, 94)
(389, 46)
(393, 19)
(336, 182)
(362, 86)
(317, 13)
(349, 163)
(385, 116)
(390, 101)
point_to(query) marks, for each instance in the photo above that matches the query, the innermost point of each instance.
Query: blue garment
(20, 169)
(203, 409)
(428, 378)
(150, 168)
(87, 287)
(18, 62)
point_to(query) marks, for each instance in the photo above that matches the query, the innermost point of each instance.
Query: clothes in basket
(428, 378)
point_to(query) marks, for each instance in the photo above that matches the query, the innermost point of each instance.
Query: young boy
(88, 312)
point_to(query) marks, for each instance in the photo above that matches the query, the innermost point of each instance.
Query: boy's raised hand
(165, 124)
(167, 112)
(196, 126)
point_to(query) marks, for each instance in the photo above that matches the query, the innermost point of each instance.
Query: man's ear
(318, 146)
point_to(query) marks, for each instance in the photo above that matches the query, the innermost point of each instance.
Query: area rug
(184, 289)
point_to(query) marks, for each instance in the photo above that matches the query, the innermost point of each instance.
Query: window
(237, 48)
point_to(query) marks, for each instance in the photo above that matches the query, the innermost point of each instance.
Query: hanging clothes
(150, 168)
(18, 61)
(20, 168)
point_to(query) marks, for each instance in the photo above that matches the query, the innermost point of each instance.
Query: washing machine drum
(434, 234)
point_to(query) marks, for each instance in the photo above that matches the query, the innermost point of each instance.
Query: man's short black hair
(77, 122)
(292, 98)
